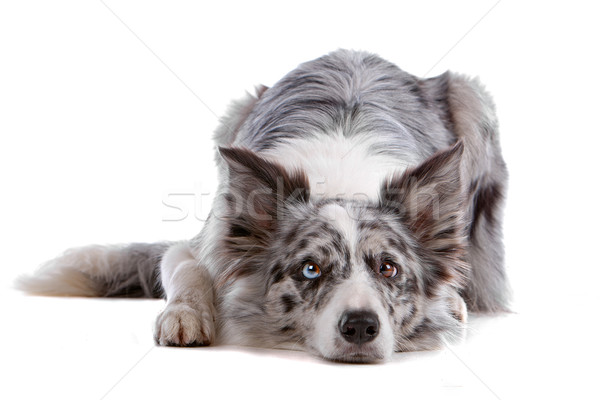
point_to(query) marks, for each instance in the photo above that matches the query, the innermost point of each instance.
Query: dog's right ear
(259, 192)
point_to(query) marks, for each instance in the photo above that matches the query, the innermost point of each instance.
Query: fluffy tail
(100, 271)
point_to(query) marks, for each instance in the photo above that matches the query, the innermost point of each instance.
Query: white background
(107, 108)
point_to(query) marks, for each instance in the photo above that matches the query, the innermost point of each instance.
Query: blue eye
(311, 270)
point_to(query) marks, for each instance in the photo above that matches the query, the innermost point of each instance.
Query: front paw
(183, 325)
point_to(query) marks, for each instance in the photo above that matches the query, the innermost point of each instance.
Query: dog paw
(183, 325)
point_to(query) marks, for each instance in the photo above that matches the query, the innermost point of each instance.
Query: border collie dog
(358, 214)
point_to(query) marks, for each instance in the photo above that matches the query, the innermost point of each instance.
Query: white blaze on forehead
(342, 220)
(338, 166)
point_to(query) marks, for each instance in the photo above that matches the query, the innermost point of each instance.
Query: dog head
(348, 280)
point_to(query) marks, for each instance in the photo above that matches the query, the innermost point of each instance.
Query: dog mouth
(356, 354)
(357, 358)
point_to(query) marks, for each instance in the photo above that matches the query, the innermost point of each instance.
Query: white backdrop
(107, 111)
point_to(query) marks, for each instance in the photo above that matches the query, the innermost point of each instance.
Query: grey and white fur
(358, 214)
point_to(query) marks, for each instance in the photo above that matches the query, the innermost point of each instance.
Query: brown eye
(311, 270)
(388, 270)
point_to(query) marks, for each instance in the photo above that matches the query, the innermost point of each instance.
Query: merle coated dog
(358, 214)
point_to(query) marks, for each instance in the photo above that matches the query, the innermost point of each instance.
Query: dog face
(347, 280)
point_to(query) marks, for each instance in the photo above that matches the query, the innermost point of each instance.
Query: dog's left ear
(430, 201)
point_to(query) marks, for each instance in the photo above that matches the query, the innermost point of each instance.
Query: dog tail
(100, 271)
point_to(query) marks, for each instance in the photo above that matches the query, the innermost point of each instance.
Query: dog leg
(188, 319)
(488, 289)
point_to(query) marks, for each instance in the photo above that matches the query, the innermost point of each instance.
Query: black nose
(359, 326)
